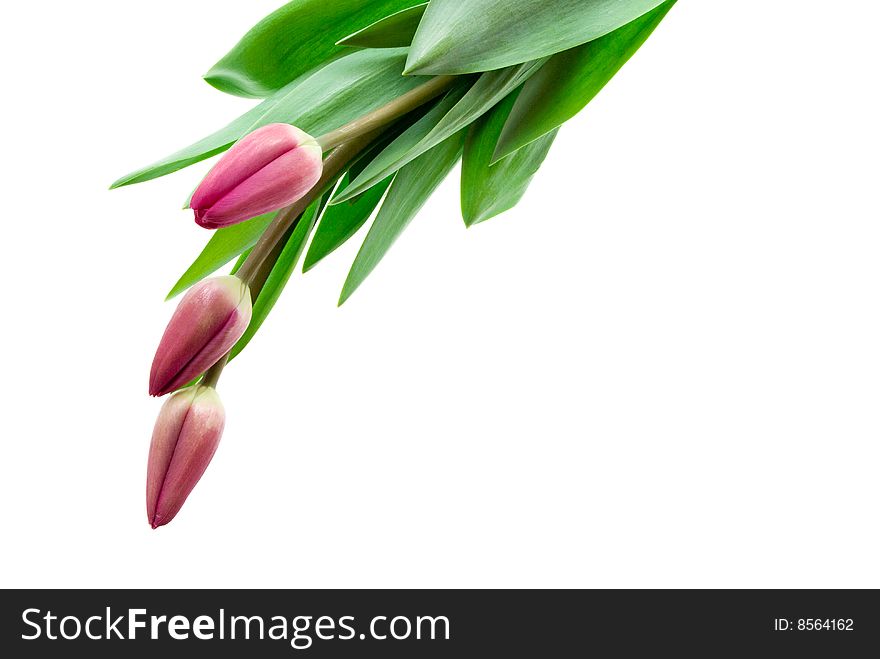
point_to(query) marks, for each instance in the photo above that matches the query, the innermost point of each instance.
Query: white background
(661, 369)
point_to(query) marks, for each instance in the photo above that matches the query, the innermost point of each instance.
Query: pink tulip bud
(209, 320)
(185, 437)
(269, 169)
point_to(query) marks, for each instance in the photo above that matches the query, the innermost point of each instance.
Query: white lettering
(24, 618)
(134, 623)
(203, 628)
(178, 628)
(113, 627)
(89, 628)
(77, 624)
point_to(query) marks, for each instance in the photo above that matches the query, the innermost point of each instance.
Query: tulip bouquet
(366, 105)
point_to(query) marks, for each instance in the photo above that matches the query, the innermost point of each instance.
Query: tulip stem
(255, 270)
(387, 113)
(212, 375)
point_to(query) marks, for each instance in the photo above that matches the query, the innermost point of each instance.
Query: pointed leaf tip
(342, 221)
(292, 41)
(570, 80)
(394, 31)
(487, 189)
(409, 191)
(327, 98)
(225, 244)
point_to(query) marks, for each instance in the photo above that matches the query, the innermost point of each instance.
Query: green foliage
(225, 244)
(412, 186)
(457, 37)
(292, 41)
(394, 31)
(401, 151)
(453, 114)
(570, 80)
(488, 190)
(342, 91)
(525, 68)
(341, 221)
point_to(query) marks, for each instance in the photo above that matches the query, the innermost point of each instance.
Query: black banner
(446, 623)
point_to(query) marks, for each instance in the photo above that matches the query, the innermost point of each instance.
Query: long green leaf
(482, 35)
(490, 88)
(281, 272)
(488, 190)
(400, 151)
(411, 188)
(293, 40)
(342, 221)
(205, 148)
(393, 31)
(225, 244)
(570, 80)
(342, 91)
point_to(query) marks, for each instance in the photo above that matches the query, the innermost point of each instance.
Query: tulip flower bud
(269, 169)
(209, 320)
(185, 437)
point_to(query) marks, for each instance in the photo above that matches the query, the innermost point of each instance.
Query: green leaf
(342, 221)
(481, 35)
(393, 31)
(411, 188)
(400, 151)
(488, 190)
(570, 80)
(490, 88)
(205, 148)
(388, 135)
(342, 91)
(281, 272)
(292, 41)
(225, 244)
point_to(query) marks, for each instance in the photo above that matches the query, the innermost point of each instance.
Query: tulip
(209, 320)
(185, 437)
(269, 169)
